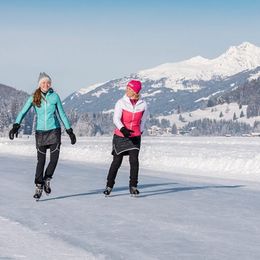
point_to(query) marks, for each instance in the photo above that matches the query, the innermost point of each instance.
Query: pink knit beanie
(135, 85)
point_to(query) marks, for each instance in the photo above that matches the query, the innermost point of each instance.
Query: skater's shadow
(100, 191)
(146, 193)
(180, 189)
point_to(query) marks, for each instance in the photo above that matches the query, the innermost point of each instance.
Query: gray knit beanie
(43, 76)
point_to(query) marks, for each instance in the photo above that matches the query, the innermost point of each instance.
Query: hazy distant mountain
(185, 85)
(11, 101)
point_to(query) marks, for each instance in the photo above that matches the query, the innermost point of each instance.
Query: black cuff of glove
(14, 131)
(71, 135)
(126, 132)
(69, 131)
(16, 126)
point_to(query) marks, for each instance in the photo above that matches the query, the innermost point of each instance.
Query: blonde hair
(137, 96)
(134, 94)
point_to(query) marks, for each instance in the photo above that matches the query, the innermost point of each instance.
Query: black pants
(116, 163)
(41, 156)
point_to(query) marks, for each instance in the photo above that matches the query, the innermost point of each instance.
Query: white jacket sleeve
(117, 115)
(144, 117)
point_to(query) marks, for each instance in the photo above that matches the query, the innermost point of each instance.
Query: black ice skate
(47, 187)
(134, 191)
(107, 191)
(38, 191)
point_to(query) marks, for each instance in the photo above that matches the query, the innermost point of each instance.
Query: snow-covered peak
(242, 57)
(83, 91)
(197, 60)
(243, 47)
(236, 59)
(186, 75)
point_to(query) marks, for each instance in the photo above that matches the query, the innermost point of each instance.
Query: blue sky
(85, 42)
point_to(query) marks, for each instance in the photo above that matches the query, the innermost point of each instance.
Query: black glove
(126, 132)
(71, 135)
(14, 131)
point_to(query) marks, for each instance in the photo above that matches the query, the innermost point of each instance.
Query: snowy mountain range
(218, 89)
(236, 59)
(185, 85)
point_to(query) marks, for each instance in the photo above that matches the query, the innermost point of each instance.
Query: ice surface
(184, 211)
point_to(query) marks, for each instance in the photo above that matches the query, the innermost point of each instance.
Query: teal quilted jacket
(47, 114)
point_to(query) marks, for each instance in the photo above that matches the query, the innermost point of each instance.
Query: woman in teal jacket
(47, 105)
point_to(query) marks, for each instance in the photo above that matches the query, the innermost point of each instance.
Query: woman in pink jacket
(129, 118)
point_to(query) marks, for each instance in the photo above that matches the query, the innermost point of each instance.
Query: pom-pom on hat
(43, 76)
(135, 85)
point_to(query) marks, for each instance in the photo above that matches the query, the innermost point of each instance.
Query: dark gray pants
(40, 176)
(116, 163)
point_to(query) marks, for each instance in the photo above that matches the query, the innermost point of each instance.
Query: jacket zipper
(133, 116)
(45, 111)
(45, 116)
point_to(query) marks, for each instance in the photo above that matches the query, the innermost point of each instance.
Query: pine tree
(208, 127)
(165, 123)
(210, 103)
(181, 118)
(178, 109)
(234, 116)
(174, 129)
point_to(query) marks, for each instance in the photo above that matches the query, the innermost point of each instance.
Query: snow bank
(225, 157)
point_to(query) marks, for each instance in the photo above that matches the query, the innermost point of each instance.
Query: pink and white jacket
(132, 117)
